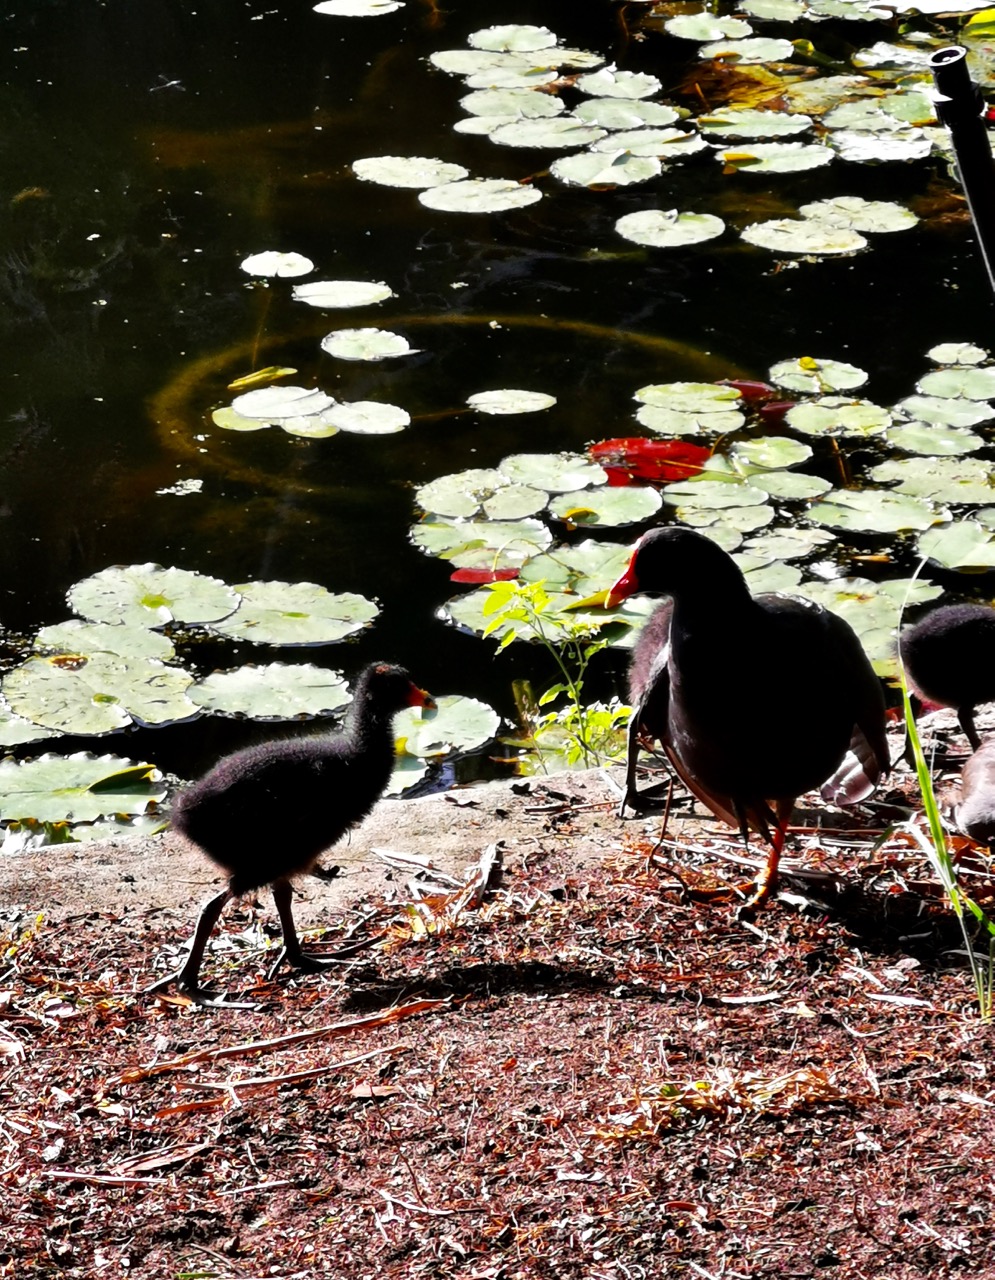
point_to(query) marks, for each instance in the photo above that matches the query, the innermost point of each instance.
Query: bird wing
(867, 758)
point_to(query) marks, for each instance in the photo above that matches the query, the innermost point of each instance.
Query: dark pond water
(148, 148)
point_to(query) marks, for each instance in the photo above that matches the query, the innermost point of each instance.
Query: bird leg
(966, 717)
(283, 895)
(186, 979)
(766, 881)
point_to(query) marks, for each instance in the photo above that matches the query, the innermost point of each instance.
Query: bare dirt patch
(600, 1072)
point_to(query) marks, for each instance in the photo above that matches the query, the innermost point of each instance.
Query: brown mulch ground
(596, 1073)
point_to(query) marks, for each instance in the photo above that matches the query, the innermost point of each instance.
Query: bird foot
(762, 889)
(196, 994)
(301, 961)
(654, 797)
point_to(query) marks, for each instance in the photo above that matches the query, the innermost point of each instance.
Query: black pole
(962, 109)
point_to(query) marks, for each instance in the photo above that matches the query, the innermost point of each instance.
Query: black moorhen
(949, 658)
(975, 814)
(755, 701)
(265, 813)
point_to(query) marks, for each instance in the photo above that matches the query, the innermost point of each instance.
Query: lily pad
(512, 38)
(947, 410)
(812, 376)
(408, 770)
(771, 453)
(274, 263)
(958, 353)
(957, 480)
(560, 131)
(876, 148)
(480, 195)
(365, 344)
(273, 404)
(508, 400)
(750, 49)
(872, 609)
(147, 595)
(554, 472)
(874, 511)
(407, 171)
(707, 26)
(98, 694)
(295, 613)
(857, 214)
(331, 294)
(367, 418)
(357, 8)
(520, 104)
(662, 144)
(273, 692)
(459, 724)
(610, 83)
(774, 157)
(581, 570)
(964, 545)
(838, 416)
(668, 229)
(86, 638)
(746, 122)
(474, 544)
(469, 493)
(77, 788)
(790, 235)
(788, 543)
(968, 382)
(624, 113)
(713, 495)
(790, 486)
(17, 731)
(606, 505)
(611, 169)
(932, 439)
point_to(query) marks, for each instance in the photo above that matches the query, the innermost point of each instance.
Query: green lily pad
(811, 376)
(468, 613)
(98, 694)
(365, 344)
(332, 294)
(964, 545)
(480, 195)
(689, 397)
(274, 263)
(713, 495)
(147, 595)
(408, 770)
(957, 480)
(614, 169)
(459, 724)
(273, 404)
(482, 544)
(357, 8)
(948, 411)
(774, 157)
(958, 353)
(838, 416)
(677, 422)
(519, 104)
(856, 214)
(468, 493)
(769, 453)
(508, 400)
(609, 83)
(707, 26)
(738, 520)
(664, 144)
(790, 486)
(624, 113)
(88, 638)
(77, 788)
(751, 49)
(861, 147)
(790, 235)
(560, 132)
(788, 544)
(932, 439)
(17, 731)
(745, 122)
(273, 692)
(512, 37)
(407, 171)
(295, 613)
(874, 511)
(967, 382)
(581, 570)
(554, 472)
(367, 418)
(775, 10)
(606, 505)
(768, 577)
(668, 229)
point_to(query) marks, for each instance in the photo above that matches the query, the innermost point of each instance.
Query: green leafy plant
(937, 851)
(577, 731)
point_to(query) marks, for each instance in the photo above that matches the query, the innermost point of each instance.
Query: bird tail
(857, 775)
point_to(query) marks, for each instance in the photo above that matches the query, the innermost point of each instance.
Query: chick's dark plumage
(949, 659)
(265, 814)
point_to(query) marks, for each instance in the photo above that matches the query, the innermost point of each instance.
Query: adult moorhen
(265, 813)
(949, 658)
(755, 701)
(975, 814)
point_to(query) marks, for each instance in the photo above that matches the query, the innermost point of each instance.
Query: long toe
(197, 994)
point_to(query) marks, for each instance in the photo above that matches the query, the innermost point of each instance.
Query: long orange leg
(767, 879)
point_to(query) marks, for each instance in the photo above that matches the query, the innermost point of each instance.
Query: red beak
(626, 586)
(419, 698)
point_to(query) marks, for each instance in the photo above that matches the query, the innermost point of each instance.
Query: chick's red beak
(627, 585)
(419, 698)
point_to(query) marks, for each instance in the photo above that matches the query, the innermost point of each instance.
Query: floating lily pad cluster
(762, 492)
(525, 91)
(115, 666)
